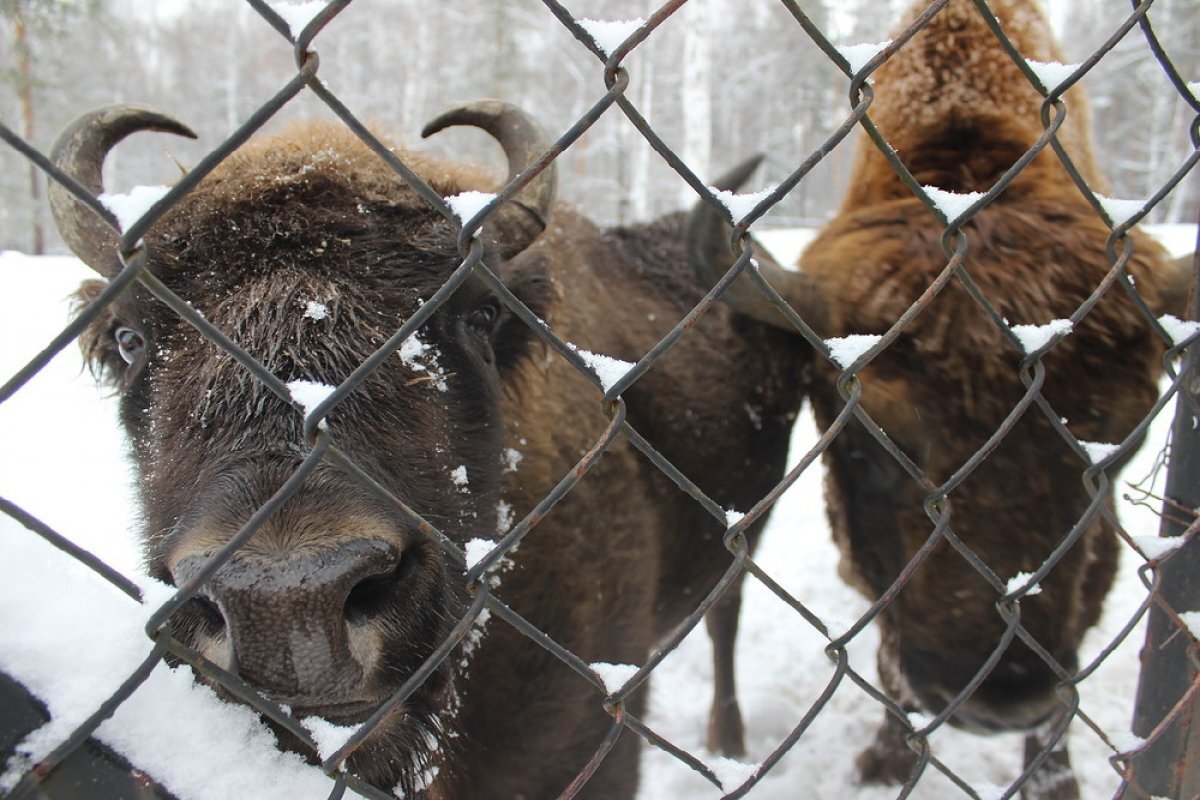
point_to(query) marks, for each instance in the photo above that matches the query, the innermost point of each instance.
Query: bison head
(309, 253)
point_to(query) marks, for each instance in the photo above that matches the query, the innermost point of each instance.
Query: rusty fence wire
(1164, 763)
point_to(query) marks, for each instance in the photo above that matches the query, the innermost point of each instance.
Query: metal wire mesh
(939, 498)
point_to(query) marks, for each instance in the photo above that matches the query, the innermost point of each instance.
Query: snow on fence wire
(1163, 762)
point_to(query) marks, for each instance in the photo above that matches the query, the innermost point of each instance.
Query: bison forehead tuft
(316, 199)
(305, 154)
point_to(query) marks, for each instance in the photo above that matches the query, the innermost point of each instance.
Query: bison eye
(130, 344)
(482, 321)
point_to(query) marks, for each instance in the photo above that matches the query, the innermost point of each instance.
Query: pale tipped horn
(524, 218)
(80, 152)
(707, 235)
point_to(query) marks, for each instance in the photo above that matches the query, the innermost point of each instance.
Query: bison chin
(401, 755)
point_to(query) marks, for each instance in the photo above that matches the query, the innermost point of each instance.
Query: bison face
(341, 595)
(310, 256)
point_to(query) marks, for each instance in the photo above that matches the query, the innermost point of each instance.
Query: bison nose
(298, 621)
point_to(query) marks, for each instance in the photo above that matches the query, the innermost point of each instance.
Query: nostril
(206, 612)
(371, 595)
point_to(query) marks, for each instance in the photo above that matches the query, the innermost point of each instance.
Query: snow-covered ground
(71, 638)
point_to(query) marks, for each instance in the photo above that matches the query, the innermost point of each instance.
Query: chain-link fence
(643, 587)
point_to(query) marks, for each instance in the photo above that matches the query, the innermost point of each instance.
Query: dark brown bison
(309, 252)
(959, 113)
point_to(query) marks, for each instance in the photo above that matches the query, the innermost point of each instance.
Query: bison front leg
(725, 731)
(889, 759)
(1054, 779)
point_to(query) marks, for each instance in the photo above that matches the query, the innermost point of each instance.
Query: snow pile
(740, 205)
(467, 204)
(613, 676)
(1017, 583)
(477, 550)
(310, 394)
(129, 207)
(298, 15)
(859, 54)
(610, 34)
(107, 642)
(919, 720)
(1035, 337)
(733, 517)
(731, 774)
(1155, 547)
(1120, 211)
(845, 350)
(609, 370)
(835, 622)
(1178, 329)
(1126, 741)
(1051, 73)
(421, 357)
(511, 459)
(328, 737)
(474, 552)
(459, 476)
(315, 311)
(952, 204)
(1098, 451)
(505, 516)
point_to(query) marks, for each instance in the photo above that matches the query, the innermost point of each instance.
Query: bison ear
(529, 280)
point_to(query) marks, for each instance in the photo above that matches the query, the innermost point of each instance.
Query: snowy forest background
(719, 80)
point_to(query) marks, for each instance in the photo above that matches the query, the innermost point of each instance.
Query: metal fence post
(1170, 765)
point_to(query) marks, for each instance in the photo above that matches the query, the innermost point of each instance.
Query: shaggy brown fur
(959, 113)
(312, 216)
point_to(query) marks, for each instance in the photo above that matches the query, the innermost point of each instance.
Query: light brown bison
(309, 252)
(959, 113)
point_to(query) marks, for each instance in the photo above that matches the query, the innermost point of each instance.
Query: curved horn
(523, 141)
(707, 236)
(79, 152)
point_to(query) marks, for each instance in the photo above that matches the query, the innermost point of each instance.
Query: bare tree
(717, 81)
(15, 11)
(32, 28)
